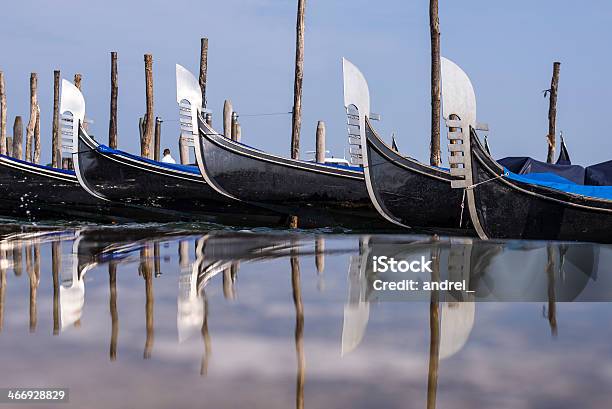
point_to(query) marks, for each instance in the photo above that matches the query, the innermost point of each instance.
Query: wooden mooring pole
(112, 125)
(158, 123)
(148, 129)
(18, 138)
(434, 27)
(56, 155)
(552, 112)
(77, 80)
(228, 110)
(234, 126)
(32, 122)
(3, 144)
(296, 117)
(320, 149)
(203, 68)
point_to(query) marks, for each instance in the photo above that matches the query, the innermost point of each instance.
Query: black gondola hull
(409, 192)
(320, 195)
(513, 210)
(37, 193)
(176, 195)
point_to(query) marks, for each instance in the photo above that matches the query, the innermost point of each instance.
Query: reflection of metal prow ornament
(190, 313)
(357, 309)
(72, 297)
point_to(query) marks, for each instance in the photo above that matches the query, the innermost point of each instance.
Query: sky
(507, 49)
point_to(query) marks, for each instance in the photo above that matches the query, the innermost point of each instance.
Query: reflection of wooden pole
(157, 259)
(33, 270)
(299, 331)
(206, 338)
(320, 254)
(552, 306)
(434, 330)
(17, 266)
(146, 271)
(434, 28)
(112, 282)
(112, 126)
(56, 264)
(2, 289)
(228, 284)
(552, 113)
(183, 254)
(56, 154)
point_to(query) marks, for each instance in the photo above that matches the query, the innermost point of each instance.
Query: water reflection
(217, 279)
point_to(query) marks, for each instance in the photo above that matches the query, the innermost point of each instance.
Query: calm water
(161, 317)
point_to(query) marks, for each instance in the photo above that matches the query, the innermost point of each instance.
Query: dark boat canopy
(599, 175)
(526, 166)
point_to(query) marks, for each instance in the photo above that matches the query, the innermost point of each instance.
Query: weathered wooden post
(3, 144)
(183, 152)
(434, 27)
(18, 138)
(203, 68)
(234, 125)
(112, 125)
(56, 154)
(238, 137)
(32, 121)
(552, 112)
(209, 119)
(298, 81)
(296, 117)
(320, 150)
(36, 156)
(77, 80)
(147, 137)
(9, 145)
(158, 123)
(228, 109)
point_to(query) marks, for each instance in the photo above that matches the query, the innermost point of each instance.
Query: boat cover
(554, 181)
(526, 166)
(599, 175)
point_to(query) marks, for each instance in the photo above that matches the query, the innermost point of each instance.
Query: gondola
(405, 191)
(36, 192)
(408, 192)
(175, 192)
(542, 206)
(321, 195)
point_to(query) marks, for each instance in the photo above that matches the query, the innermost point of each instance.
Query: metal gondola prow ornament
(189, 99)
(72, 111)
(357, 104)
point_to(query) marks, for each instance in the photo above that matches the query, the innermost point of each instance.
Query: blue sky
(507, 48)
